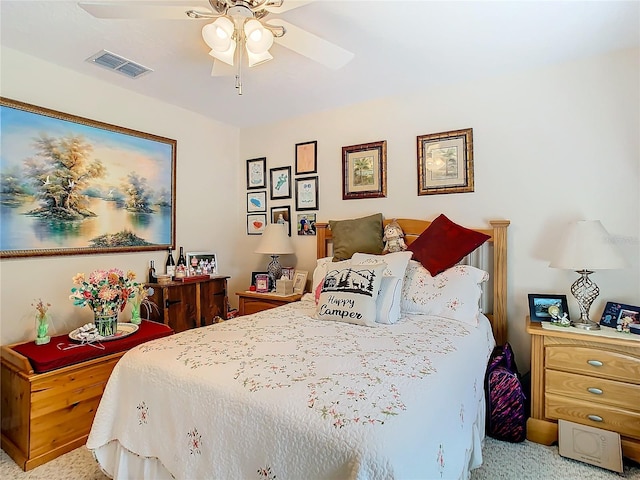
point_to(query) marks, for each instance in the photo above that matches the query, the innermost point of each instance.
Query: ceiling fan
(239, 29)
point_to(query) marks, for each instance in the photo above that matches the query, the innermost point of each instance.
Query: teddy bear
(393, 236)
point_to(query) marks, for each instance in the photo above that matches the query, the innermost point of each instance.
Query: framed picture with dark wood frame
(306, 157)
(117, 195)
(280, 182)
(445, 162)
(256, 223)
(282, 215)
(307, 193)
(257, 173)
(544, 307)
(257, 201)
(364, 171)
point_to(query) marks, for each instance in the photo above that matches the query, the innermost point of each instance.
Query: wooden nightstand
(584, 378)
(253, 302)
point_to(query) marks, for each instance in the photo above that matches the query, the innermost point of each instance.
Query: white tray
(124, 330)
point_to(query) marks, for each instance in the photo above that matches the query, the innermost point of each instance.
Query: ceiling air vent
(118, 64)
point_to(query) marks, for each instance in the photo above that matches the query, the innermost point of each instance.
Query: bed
(281, 394)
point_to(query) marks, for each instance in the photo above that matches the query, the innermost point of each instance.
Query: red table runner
(61, 351)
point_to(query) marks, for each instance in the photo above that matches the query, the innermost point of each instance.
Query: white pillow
(454, 293)
(318, 275)
(388, 302)
(349, 293)
(390, 297)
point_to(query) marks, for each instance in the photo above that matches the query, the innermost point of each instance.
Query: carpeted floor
(502, 461)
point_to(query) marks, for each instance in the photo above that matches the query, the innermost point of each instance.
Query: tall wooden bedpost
(500, 280)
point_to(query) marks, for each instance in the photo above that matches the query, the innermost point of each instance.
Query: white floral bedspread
(280, 395)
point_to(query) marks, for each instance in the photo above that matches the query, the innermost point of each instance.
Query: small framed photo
(255, 275)
(282, 215)
(364, 171)
(256, 202)
(306, 157)
(307, 193)
(288, 272)
(256, 223)
(445, 162)
(306, 224)
(202, 263)
(299, 281)
(621, 316)
(262, 283)
(280, 182)
(544, 307)
(257, 173)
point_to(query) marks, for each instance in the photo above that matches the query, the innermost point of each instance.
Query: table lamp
(275, 241)
(587, 247)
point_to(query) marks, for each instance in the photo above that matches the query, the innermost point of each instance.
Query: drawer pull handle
(595, 363)
(595, 391)
(594, 418)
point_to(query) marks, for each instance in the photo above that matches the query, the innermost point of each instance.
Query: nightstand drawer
(592, 389)
(615, 419)
(593, 361)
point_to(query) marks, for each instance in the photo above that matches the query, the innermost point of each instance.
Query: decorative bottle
(152, 273)
(170, 265)
(181, 258)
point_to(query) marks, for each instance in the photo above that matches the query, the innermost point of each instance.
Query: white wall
(207, 163)
(550, 146)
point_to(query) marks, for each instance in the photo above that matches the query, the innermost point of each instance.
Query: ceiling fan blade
(318, 49)
(287, 5)
(221, 69)
(147, 10)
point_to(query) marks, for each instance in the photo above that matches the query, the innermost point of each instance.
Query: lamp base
(585, 325)
(274, 269)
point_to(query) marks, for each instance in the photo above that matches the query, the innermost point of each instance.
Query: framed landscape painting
(70, 185)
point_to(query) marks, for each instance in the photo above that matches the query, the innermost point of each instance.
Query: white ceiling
(399, 46)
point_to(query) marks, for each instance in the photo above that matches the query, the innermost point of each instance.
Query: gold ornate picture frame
(364, 171)
(445, 162)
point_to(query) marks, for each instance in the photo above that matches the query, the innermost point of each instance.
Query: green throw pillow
(362, 235)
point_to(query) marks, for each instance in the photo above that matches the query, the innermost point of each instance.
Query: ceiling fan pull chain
(239, 51)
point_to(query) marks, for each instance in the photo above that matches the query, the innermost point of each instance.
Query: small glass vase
(42, 329)
(135, 314)
(107, 325)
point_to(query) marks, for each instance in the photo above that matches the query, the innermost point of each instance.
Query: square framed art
(256, 202)
(445, 162)
(364, 171)
(256, 223)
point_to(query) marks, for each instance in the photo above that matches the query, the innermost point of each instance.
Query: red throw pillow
(444, 243)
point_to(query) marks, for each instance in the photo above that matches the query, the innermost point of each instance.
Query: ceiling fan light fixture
(227, 56)
(218, 35)
(258, 39)
(258, 58)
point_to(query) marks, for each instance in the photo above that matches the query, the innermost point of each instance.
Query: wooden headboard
(498, 271)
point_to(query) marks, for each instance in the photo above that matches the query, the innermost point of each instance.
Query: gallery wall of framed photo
(292, 195)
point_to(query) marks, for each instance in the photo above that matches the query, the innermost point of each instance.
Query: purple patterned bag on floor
(506, 418)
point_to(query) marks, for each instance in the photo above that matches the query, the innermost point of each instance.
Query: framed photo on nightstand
(544, 307)
(619, 315)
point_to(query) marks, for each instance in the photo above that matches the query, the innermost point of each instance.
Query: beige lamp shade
(275, 240)
(587, 246)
